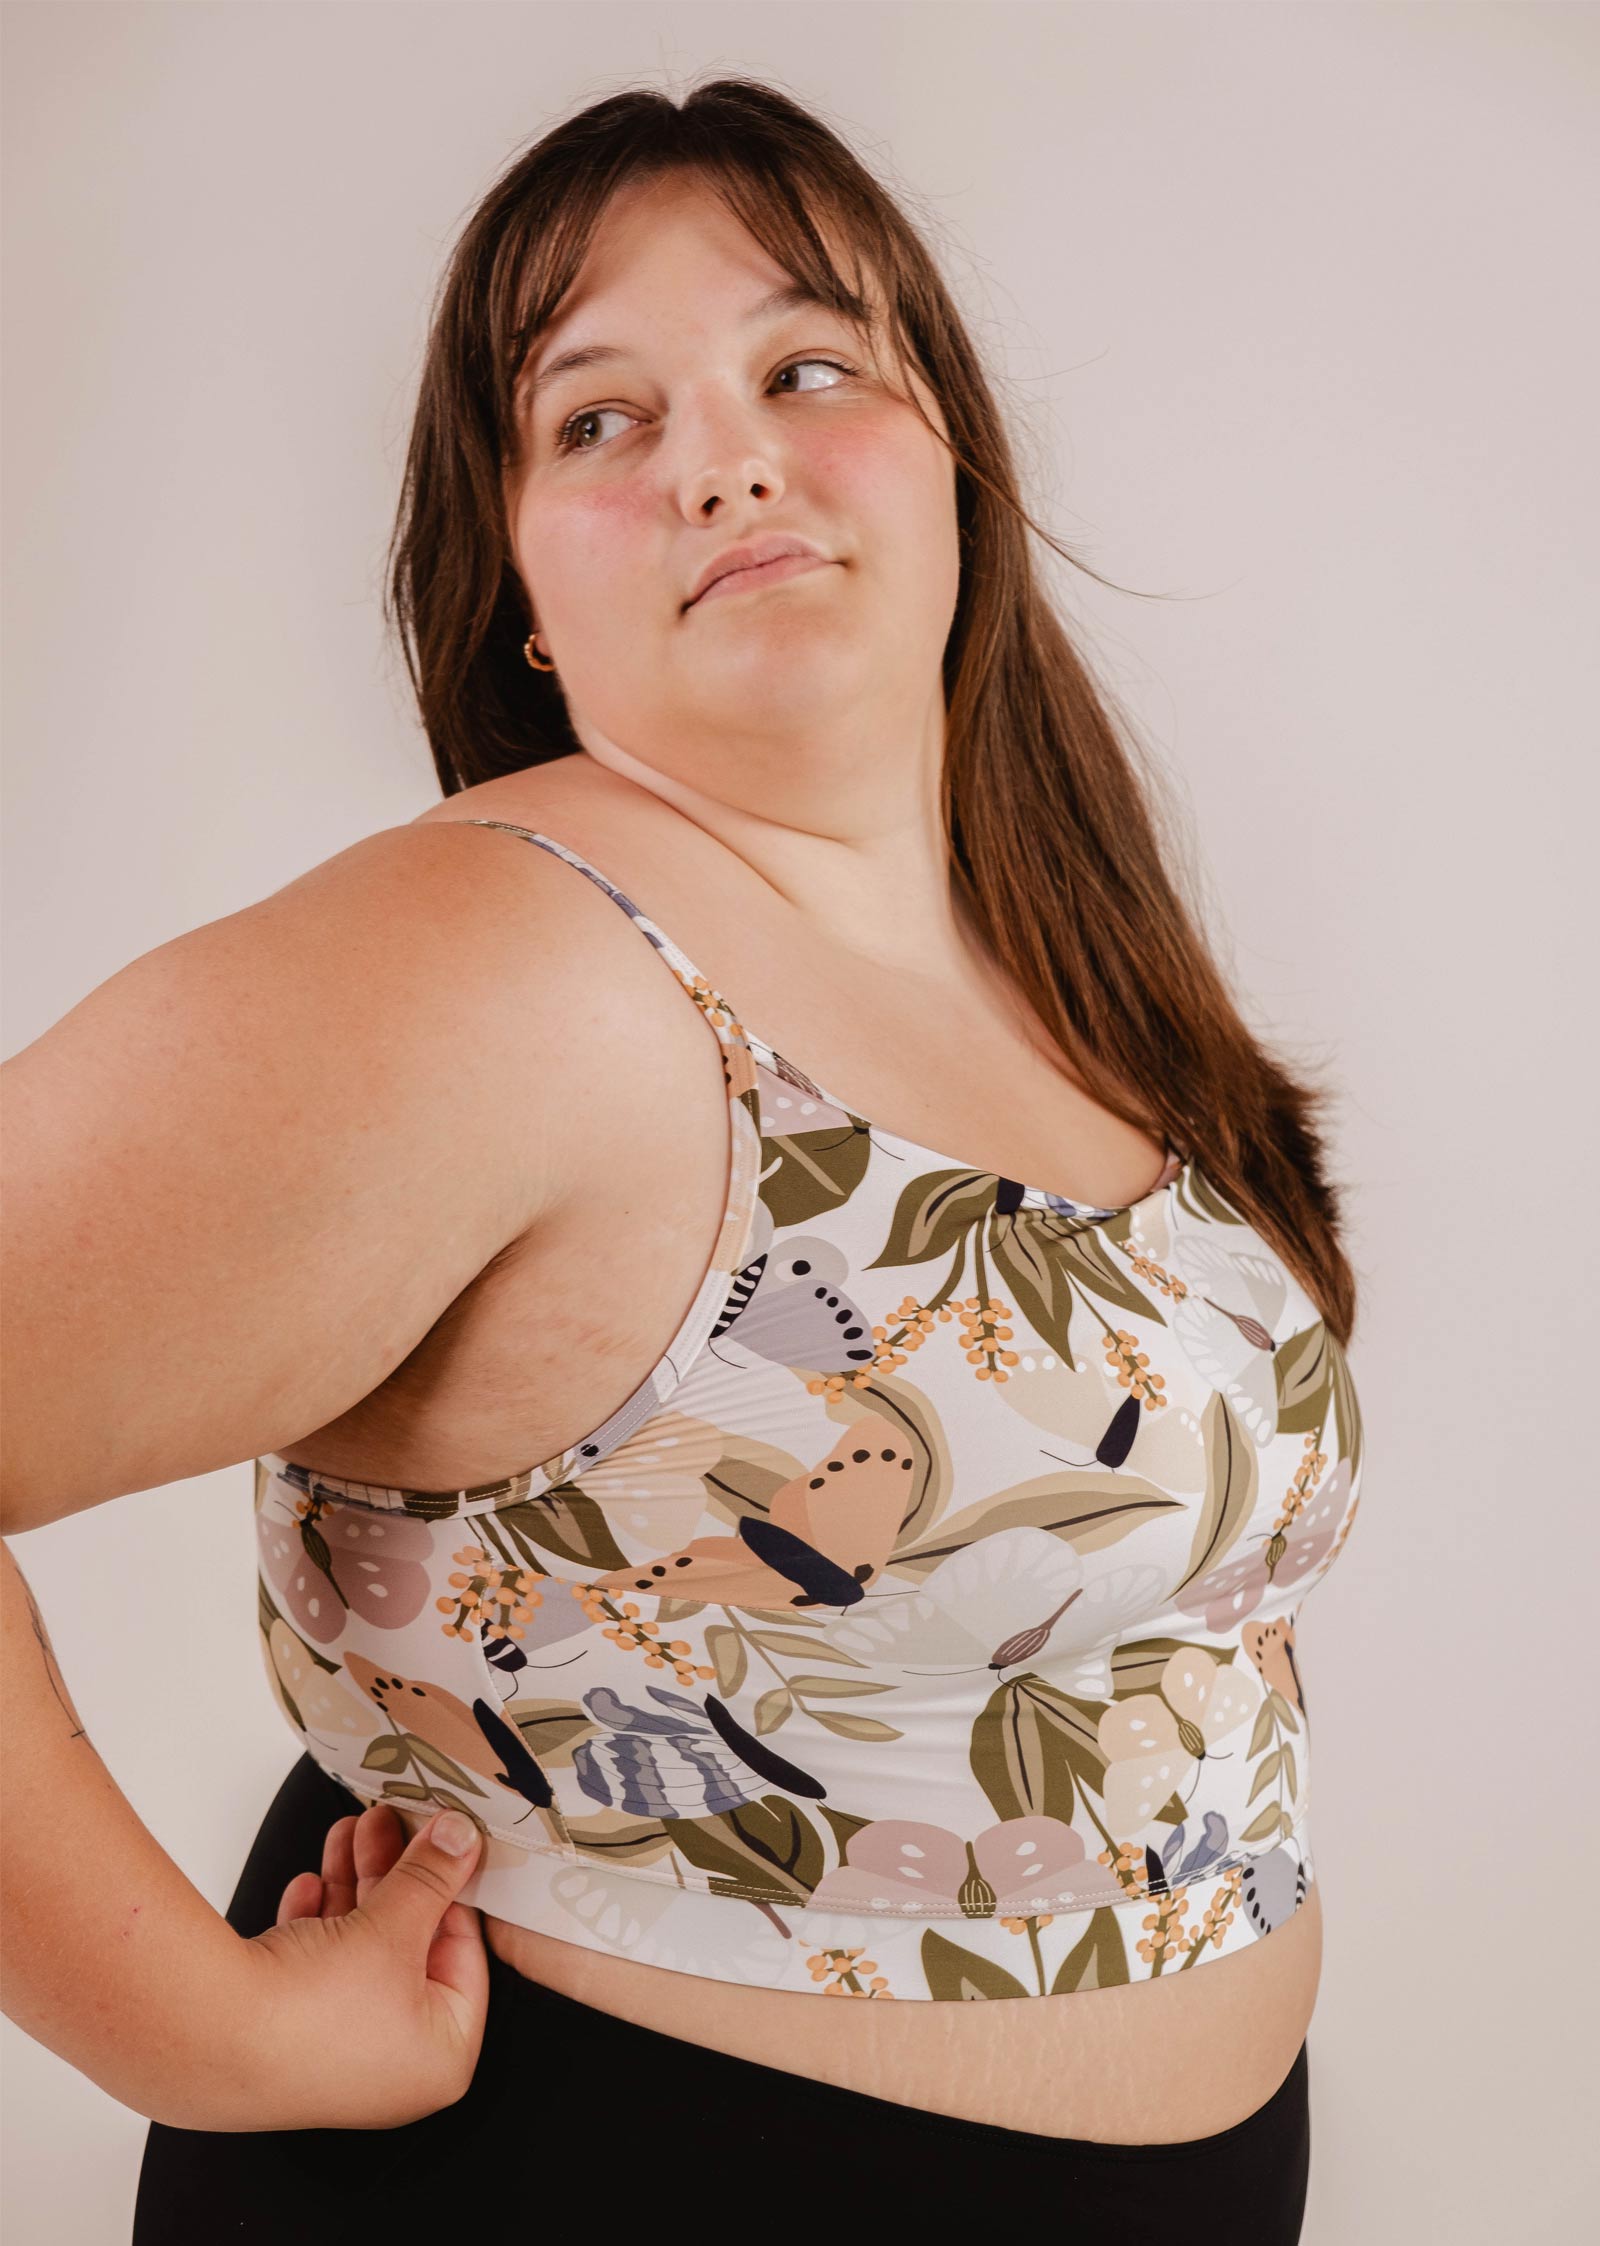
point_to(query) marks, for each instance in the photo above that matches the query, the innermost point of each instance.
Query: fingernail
(454, 1833)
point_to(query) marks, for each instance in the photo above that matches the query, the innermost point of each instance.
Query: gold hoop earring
(528, 651)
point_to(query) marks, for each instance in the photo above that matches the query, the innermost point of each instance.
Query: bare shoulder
(249, 1171)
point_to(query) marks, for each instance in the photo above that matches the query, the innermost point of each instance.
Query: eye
(566, 440)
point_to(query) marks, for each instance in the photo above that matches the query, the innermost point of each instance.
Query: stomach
(1162, 2061)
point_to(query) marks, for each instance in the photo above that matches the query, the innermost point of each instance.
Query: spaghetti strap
(704, 993)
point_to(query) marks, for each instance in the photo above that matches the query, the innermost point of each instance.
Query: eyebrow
(790, 296)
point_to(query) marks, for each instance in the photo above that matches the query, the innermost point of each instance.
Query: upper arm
(246, 1174)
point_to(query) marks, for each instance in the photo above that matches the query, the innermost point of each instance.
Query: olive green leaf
(807, 1173)
(1031, 1747)
(957, 1976)
(550, 1728)
(613, 1836)
(1233, 1472)
(1099, 1961)
(934, 1214)
(388, 1751)
(564, 1520)
(767, 1845)
(1303, 1367)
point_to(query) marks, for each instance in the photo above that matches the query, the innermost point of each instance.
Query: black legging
(570, 2108)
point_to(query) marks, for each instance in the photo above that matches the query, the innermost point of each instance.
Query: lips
(754, 561)
(761, 573)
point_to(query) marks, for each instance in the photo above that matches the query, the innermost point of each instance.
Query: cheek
(579, 553)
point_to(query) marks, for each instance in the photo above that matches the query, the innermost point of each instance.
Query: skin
(799, 728)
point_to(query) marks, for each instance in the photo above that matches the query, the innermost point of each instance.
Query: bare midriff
(1148, 2062)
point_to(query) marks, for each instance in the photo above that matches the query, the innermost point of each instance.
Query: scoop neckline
(1174, 1163)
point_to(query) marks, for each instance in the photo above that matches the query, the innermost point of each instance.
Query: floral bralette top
(923, 1626)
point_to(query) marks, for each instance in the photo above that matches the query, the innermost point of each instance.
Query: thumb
(411, 1898)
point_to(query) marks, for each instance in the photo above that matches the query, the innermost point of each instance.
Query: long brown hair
(1052, 826)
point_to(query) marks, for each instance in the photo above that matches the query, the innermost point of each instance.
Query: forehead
(664, 246)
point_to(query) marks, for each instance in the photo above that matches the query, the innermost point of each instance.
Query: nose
(728, 457)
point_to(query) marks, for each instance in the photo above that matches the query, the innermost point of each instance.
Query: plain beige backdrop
(1294, 308)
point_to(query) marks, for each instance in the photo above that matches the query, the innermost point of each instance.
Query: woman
(903, 1604)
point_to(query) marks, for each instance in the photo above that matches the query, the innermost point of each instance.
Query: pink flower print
(1291, 1553)
(325, 1565)
(1011, 1870)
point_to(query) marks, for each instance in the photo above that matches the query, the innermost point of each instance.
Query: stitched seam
(890, 1914)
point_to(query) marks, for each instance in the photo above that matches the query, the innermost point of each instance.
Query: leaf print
(1098, 1961)
(794, 1642)
(729, 1658)
(1298, 1549)
(1087, 1511)
(870, 1465)
(1232, 1478)
(934, 1214)
(843, 1726)
(773, 1708)
(1021, 1755)
(775, 1857)
(1348, 1411)
(1043, 1256)
(564, 1521)
(608, 1836)
(440, 1765)
(816, 1153)
(1303, 1369)
(956, 1974)
(550, 1728)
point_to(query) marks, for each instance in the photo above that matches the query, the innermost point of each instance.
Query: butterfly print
(828, 1533)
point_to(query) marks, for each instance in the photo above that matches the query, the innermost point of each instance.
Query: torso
(488, 1391)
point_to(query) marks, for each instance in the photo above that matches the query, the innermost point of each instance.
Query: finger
(377, 1842)
(458, 1966)
(409, 1902)
(302, 1898)
(339, 1869)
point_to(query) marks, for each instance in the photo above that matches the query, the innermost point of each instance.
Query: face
(717, 422)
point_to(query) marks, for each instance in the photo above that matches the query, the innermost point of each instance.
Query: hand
(374, 1983)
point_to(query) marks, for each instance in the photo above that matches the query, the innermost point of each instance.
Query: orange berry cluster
(1156, 1275)
(842, 1973)
(1306, 1477)
(1131, 1367)
(486, 1597)
(626, 1630)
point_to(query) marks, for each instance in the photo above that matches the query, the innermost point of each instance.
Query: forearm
(110, 1956)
